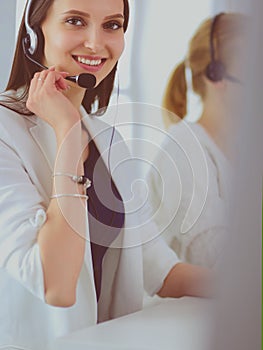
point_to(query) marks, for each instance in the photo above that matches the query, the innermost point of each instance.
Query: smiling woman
(66, 220)
(69, 21)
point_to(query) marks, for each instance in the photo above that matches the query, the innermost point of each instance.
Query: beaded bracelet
(79, 179)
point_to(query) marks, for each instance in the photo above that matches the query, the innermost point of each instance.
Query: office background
(137, 86)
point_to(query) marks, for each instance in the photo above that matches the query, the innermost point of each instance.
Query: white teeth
(89, 62)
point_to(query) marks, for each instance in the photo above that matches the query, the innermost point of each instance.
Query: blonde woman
(178, 193)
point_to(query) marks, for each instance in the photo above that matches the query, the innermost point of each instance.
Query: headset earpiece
(31, 42)
(215, 71)
(31, 39)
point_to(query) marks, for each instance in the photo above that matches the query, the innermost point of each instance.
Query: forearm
(62, 238)
(188, 280)
(62, 253)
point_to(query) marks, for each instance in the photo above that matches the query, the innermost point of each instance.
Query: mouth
(90, 62)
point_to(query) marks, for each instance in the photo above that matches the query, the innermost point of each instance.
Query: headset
(216, 71)
(30, 41)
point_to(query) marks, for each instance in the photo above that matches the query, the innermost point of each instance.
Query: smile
(88, 62)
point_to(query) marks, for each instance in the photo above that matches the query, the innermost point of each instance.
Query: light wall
(157, 40)
(161, 32)
(7, 37)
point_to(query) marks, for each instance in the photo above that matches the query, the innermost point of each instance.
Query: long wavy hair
(23, 69)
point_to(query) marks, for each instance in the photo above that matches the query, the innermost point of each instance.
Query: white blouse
(189, 186)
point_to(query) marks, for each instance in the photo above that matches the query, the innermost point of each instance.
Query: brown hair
(23, 69)
(228, 34)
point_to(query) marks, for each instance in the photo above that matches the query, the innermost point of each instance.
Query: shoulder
(14, 103)
(181, 141)
(10, 118)
(184, 131)
(14, 127)
(191, 140)
(8, 114)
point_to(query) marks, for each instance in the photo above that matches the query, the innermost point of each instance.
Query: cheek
(61, 42)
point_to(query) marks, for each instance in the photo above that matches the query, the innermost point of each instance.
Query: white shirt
(189, 186)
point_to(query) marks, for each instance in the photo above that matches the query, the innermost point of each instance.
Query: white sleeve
(171, 187)
(158, 257)
(21, 216)
(206, 247)
(158, 260)
(164, 193)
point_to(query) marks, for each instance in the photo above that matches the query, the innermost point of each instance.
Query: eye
(76, 21)
(113, 25)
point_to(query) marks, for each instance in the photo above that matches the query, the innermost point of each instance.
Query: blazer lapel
(44, 160)
(44, 136)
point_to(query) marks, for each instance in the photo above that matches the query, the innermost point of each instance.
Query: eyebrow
(85, 14)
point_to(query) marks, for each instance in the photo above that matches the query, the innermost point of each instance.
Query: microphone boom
(85, 80)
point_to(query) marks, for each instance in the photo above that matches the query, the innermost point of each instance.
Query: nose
(93, 39)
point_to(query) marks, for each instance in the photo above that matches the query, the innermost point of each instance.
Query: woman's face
(84, 36)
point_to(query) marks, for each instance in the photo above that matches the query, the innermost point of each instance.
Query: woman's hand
(189, 280)
(47, 101)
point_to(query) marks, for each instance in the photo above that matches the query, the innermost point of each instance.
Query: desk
(167, 324)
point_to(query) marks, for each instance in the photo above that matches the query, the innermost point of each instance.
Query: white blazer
(138, 259)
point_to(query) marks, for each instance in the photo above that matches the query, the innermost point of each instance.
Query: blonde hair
(228, 34)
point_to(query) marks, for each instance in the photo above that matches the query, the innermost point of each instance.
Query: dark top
(105, 210)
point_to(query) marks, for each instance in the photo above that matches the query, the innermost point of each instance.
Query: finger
(61, 83)
(43, 75)
(64, 74)
(41, 79)
(38, 80)
(57, 79)
(34, 81)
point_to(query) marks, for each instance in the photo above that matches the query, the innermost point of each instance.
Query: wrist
(68, 132)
